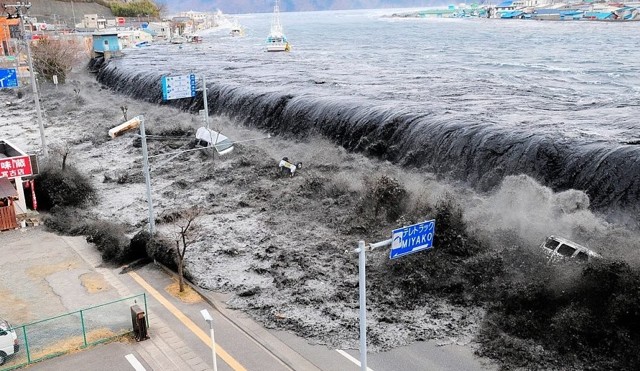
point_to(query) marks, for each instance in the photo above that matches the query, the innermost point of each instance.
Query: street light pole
(73, 11)
(362, 289)
(207, 317)
(134, 123)
(19, 6)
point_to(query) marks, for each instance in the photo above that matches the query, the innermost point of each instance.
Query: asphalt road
(43, 277)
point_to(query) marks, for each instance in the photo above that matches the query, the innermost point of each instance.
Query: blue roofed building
(503, 7)
(107, 45)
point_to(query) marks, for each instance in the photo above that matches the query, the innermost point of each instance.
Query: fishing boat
(277, 41)
(236, 29)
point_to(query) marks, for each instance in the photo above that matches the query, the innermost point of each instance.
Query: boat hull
(278, 47)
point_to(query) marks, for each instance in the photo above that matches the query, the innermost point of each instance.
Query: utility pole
(74, 15)
(20, 6)
(147, 176)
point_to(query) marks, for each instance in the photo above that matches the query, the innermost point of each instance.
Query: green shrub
(110, 240)
(67, 221)
(135, 9)
(162, 250)
(62, 188)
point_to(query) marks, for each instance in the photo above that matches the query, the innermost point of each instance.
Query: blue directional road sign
(8, 78)
(174, 87)
(414, 238)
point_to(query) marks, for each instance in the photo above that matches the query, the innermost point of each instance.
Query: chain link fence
(71, 331)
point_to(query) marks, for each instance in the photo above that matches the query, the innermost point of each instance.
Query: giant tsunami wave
(479, 154)
(472, 100)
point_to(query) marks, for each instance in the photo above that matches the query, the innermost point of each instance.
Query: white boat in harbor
(236, 29)
(277, 41)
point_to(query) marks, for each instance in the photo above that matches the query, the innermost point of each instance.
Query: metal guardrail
(54, 336)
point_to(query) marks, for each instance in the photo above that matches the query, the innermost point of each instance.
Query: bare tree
(124, 112)
(186, 225)
(63, 150)
(57, 57)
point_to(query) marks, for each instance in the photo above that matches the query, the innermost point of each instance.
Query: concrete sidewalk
(164, 350)
(45, 275)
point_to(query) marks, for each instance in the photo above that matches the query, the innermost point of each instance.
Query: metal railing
(54, 336)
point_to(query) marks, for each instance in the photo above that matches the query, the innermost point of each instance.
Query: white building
(162, 30)
(91, 21)
(532, 3)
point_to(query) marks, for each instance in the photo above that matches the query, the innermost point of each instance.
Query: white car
(8, 341)
(559, 248)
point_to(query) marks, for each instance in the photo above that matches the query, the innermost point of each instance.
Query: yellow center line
(188, 322)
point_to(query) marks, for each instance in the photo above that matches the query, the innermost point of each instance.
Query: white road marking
(135, 363)
(350, 358)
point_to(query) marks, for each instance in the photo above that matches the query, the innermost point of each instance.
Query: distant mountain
(261, 6)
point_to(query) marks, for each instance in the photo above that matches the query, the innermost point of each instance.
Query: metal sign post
(405, 240)
(206, 115)
(184, 86)
(362, 288)
(134, 123)
(147, 176)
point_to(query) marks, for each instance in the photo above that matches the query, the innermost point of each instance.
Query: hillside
(52, 11)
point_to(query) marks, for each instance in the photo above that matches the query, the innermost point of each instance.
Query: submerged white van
(8, 341)
(558, 248)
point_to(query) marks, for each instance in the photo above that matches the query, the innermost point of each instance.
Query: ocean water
(472, 99)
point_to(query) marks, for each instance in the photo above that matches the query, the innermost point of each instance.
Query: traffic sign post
(403, 241)
(414, 238)
(176, 87)
(8, 78)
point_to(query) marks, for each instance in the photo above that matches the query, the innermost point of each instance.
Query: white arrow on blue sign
(8, 78)
(175, 87)
(414, 238)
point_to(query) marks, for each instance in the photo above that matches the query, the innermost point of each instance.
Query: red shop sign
(13, 167)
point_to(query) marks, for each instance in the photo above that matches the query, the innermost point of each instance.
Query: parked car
(560, 248)
(8, 341)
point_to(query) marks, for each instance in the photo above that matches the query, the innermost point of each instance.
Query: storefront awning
(7, 189)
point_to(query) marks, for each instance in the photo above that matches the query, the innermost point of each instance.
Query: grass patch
(94, 282)
(187, 296)
(43, 271)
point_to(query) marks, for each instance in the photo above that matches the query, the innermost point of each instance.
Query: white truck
(8, 341)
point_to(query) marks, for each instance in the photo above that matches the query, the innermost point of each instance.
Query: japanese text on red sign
(12, 167)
